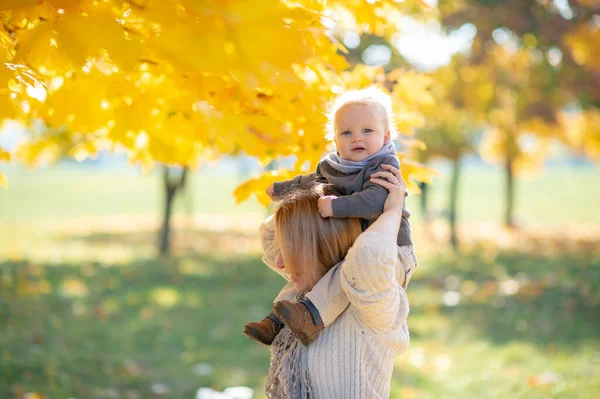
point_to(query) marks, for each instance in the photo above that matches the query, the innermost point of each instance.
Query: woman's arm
(368, 277)
(387, 224)
(369, 271)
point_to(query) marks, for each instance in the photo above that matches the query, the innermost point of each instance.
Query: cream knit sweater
(354, 356)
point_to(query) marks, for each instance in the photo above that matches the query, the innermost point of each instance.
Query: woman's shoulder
(370, 242)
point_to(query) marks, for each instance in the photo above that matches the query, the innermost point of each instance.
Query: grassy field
(67, 192)
(488, 323)
(88, 311)
(557, 196)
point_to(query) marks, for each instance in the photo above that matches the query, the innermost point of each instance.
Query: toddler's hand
(271, 192)
(325, 206)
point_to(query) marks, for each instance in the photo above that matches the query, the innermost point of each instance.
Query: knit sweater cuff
(343, 207)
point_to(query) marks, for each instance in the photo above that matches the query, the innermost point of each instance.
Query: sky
(424, 45)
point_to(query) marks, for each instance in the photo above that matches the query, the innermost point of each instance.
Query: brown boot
(298, 318)
(264, 331)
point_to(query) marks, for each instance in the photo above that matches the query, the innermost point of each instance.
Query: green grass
(99, 329)
(558, 195)
(85, 330)
(66, 192)
(88, 312)
(490, 339)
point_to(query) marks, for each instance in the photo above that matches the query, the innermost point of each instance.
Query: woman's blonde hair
(370, 96)
(311, 245)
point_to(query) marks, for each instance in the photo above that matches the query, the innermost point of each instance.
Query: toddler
(360, 123)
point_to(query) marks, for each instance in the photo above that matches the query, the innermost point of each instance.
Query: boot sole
(250, 333)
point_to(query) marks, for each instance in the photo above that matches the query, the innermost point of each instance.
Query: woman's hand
(395, 184)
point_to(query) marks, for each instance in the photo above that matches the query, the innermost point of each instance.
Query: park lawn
(148, 328)
(557, 196)
(67, 192)
(88, 311)
(490, 323)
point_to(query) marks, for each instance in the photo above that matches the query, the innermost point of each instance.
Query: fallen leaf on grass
(547, 378)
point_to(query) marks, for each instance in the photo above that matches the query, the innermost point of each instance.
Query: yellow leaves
(411, 95)
(582, 130)
(414, 171)
(4, 155)
(411, 88)
(407, 121)
(7, 106)
(583, 43)
(539, 127)
(250, 77)
(497, 144)
(83, 151)
(545, 379)
(102, 32)
(362, 76)
(377, 17)
(258, 186)
(143, 159)
(73, 288)
(3, 180)
(8, 4)
(26, 14)
(64, 4)
(165, 297)
(449, 131)
(527, 145)
(533, 150)
(412, 142)
(78, 103)
(231, 39)
(43, 151)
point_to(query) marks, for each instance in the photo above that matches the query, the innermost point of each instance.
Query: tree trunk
(454, 201)
(423, 201)
(172, 186)
(510, 193)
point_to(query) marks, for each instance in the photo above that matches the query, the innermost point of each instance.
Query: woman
(354, 356)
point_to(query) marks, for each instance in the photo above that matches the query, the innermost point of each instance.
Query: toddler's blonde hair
(370, 96)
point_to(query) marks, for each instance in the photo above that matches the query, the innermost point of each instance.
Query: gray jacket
(361, 198)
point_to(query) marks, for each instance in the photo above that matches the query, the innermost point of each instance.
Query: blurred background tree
(450, 132)
(531, 62)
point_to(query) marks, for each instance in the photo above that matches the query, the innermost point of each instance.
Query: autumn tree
(449, 131)
(179, 82)
(533, 61)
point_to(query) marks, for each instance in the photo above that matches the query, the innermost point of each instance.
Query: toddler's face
(360, 131)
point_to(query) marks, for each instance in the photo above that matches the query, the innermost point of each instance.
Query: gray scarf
(288, 373)
(345, 166)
